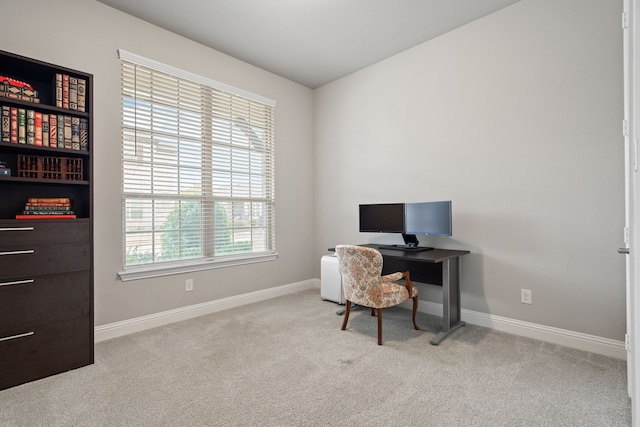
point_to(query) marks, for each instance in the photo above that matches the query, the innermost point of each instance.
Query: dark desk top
(431, 256)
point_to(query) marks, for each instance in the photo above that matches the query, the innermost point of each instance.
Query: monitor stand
(410, 244)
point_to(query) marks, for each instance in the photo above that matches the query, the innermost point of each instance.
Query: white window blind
(197, 168)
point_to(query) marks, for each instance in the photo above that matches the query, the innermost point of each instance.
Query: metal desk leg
(353, 308)
(451, 318)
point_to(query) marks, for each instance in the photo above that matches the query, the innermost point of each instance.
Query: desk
(437, 267)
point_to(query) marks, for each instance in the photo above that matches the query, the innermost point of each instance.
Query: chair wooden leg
(347, 309)
(379, 311)
(373, 311)
(415, 309)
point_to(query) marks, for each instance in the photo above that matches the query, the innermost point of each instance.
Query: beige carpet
(285, 362)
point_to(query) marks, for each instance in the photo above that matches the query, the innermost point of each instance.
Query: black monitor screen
(428, 218)
(382, 218)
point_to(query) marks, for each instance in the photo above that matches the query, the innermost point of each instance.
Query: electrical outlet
(525, 296)
(188, 285)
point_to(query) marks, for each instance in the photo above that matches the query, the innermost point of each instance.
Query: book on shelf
(17, 87)
(82, 95)
(22, 126)
(30, 93)
(12, 89)
(13, 135)
(60, 135)
(24, 93)
(6, 124)
(70, 92)
(19, 216)
(73, 93)
(67, 131)
(64, 210)
(58, 86)
(48, 212)
(75, 133)
(20, 97)
(47, 208)
(65, 91)
(53, 130)
(37, 120)
(45, 129)
(84, 134)
(31, 127)
(49, 200)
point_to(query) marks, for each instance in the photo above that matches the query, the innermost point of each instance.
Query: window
(197, 171)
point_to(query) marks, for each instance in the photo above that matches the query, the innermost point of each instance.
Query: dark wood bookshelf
(46, 265)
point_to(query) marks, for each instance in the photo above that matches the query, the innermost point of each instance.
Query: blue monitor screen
(428, 218)
(382, 218)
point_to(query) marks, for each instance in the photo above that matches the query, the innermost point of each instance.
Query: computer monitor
(410, 219)
(382, 218)
(428, 218)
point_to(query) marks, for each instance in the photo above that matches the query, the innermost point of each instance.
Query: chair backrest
(361, 269)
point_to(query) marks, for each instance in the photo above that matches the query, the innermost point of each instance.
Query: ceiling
(311, 42)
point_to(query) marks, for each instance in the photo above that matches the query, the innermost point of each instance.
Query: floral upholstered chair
(363, 284)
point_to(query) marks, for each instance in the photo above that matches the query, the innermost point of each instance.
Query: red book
(45, 216)
(38, 128)
(53, 130)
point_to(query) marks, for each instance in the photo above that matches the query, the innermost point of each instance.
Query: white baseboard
(577, 340)
(138, 324)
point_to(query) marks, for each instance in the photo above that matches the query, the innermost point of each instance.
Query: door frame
(631, 47)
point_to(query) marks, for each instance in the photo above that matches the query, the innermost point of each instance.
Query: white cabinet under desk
(331, 280)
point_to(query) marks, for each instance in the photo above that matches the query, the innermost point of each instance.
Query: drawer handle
(28, 251)
(16, 229)
(18, 282)
(13, 337)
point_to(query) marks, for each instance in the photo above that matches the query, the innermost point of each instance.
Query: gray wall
(85, 35)
(516, 118)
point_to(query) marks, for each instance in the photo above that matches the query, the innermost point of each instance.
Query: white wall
(85, 35)
(516, 118)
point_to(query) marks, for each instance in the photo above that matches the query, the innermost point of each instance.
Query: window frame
(205, 261)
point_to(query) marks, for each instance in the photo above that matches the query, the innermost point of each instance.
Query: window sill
(137, 273)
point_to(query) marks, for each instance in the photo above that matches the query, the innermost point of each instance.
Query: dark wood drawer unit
(43, 232)
(47, 349)
(46, 298)
(42, 259)
(37, 300)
